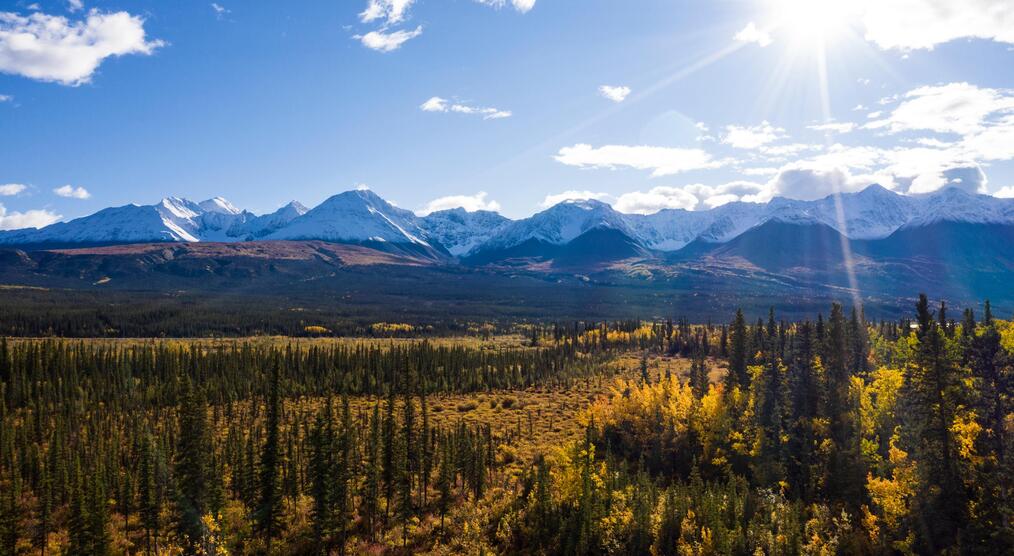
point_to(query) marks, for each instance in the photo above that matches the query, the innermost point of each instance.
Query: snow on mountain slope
(219, 205)
(263, 225)
(355, 216)
(669, 229)
(560, 224)
(871, 213)
(460, 231)
(126, 224)
(171, 219)
(362, 216)
(957, 205)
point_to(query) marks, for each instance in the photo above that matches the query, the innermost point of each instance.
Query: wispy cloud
(574, 195)
(10, 189)
(753, 34)
(6, 98)
(72, 192)
(75, 5)
(388, 14)
(439, 104)
(522, 6)
(471, 203)
(662, 161)
(53, 48)
(391, 12)
(959, 108)
(752, 137)
(614, 93)
(834, 127)
(383, 41)
(220, 10)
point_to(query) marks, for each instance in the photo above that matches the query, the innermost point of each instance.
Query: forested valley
(835, 435)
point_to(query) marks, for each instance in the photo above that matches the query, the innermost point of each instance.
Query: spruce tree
(738, 353)
(191, 470)
(992, 367)
(148, 503)
(370, 494)
(269, 509)
(320, 481)
(845, 476)
(932, 391)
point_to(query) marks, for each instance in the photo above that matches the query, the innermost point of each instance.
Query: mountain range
(950, 241)
(363, 217)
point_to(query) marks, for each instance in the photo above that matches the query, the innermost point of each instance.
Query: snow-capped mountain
(956, 205)
(355, 216)
(363, 217)
(172, 219)
(460, 231)
(218, 205)
(561, 224)
(263, 225)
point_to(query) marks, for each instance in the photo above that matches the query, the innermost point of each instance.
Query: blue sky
(106, 102)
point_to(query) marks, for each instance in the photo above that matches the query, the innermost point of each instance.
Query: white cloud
(383, 41)
(994, 142)
(691, 197)
(752, 137)
(752, 33)
(220, 10)
(434, 104)
(712, 196)
(810, 183)
(53, 48)
(27, 219)
(762, 171)
(662, 161)
(923, 24)
(834, 127)
(654, 200)
(9, 189)
(777, 152)
(391, 11)
(522, 6)
(615, 94)
(6, 98)
(952, 108)
(573, 195)
(1005, 192)
(471, 203)
(75, 5)
(72, 192)
(438, 104)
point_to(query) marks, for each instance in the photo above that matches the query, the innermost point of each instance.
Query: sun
(812, 22)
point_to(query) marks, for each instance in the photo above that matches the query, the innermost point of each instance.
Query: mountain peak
(875, 190)
(296, 206)
(180, 207)
(586, 204)
(219, 205)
